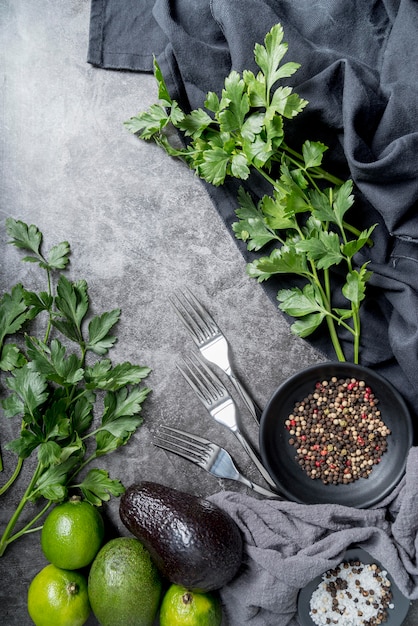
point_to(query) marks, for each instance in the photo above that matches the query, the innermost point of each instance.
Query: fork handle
(255, 458)
(252, 406)
(259, 489)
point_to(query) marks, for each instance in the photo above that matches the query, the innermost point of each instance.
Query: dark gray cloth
(359, 71)
(288, 544)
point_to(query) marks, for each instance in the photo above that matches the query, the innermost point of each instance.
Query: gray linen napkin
(287, 544)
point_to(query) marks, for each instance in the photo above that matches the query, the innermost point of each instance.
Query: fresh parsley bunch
(242, 131)
(74, 405)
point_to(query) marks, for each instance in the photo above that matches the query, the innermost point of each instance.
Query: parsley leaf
(299, 302)
(214, 165)
(269, 57)
(355, 285)
(30, 238)
(252, 226)
(14, 313)
(99, 340)
(30, 391)
(323, 248)
(97, 487)
(285, 260)
(52, 361)
(24, 236)
(312, 152)
(244, 133)
(62, 398)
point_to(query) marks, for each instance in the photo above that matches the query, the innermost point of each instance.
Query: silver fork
(214, 396)
(202, 452)
(211, 342)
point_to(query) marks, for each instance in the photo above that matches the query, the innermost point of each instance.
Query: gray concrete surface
(140, 225)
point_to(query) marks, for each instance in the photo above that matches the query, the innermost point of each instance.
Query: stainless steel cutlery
(212, 343)
(216, 399)
(206, 454)
(214, 348)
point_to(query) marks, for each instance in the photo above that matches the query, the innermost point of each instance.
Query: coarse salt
(352, 594)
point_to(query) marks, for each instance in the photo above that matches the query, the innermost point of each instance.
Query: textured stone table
(140, 225)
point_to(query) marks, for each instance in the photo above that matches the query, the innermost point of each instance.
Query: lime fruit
(181, 607)
(124, 585)
(72, 534)
(58, 597)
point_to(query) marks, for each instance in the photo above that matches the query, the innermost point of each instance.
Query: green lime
(124, 584)
(58, 597)
(181, 607)
(72, 534)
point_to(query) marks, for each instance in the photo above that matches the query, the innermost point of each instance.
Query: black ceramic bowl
(279, 456)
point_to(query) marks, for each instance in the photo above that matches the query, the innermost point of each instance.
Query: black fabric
(359, 72)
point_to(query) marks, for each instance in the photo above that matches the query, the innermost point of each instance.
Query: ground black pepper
(337, 431)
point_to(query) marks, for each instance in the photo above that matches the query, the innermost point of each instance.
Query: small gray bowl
(396, 615)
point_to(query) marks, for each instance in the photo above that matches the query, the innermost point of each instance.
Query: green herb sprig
(243, 131)
(74, 405)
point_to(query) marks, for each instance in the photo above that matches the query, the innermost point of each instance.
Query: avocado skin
(192, 541)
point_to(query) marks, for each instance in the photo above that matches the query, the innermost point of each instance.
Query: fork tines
(204, 382)
(191, 447)
(194, 316)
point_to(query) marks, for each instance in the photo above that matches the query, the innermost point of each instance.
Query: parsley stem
(49, 325)
(318, 171)
(6, 539)
(81, 466)
(273, 182)
(28, 528)
(334, 338)
(331, 326)
(356, 323)
(13, 477)
(329, 316)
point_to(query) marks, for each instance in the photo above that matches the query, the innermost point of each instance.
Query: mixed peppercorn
(337, 431)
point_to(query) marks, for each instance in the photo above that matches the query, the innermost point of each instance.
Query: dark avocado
(192, 541)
